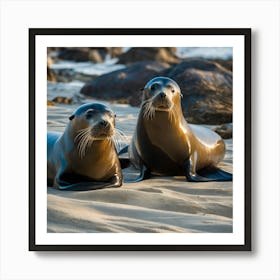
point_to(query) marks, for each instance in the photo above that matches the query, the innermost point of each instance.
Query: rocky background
(117, 75)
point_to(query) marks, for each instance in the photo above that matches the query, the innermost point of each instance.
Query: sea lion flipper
(208, 174)
(145, 173)
(123, 150)
(62, 185)
(87, 186)
(197, 178)
(192, 176)
(216, 174)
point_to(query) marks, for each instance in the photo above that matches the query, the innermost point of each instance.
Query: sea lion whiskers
(83, 140)
(116, 142)
(81, 133)
(171, 115)
(149, 110)
(121, 134)
(119, 139)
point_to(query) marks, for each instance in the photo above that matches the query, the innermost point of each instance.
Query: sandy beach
(160, 204)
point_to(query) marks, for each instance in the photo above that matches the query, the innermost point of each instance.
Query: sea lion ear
(71, 117)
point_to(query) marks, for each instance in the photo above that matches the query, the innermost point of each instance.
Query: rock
(51, 76)
(76, 54)
(53, 49)
(120, 101)
(207, 90)
(49, 61)
(63, 100)
(50, 103)
(166, 55)
(206, 87)
(82, 54)
(67, 75)
(125, 83)
(95, 56)
(114, 52)
(225, 130)
(60, 75)
(226, 63)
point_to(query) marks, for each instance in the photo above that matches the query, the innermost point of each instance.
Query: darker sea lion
(165, 144)
(84, 157)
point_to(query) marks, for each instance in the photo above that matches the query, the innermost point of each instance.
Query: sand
(160, 204)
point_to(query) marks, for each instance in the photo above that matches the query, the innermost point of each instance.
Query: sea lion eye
(154, 86)
(89, 113)
(111, 114)
(172, 90)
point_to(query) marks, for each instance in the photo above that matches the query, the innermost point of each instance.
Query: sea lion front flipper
(192, 176)
(145, 173)
(208, 174)
(197, 178)
(216, 174)
(63, 185)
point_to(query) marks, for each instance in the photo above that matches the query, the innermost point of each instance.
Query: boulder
(125, 83)
(226, 63)
(225, 130)
(50, 103)
(79, 54)
(207, 90)
(83, 54)
(62, 100)
(51, 50)
(206, 87)
(66, 75)
(114, 52)
(166, 55)
(51, 76)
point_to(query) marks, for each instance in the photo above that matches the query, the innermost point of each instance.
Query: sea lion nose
(162, 94)
(103, 123)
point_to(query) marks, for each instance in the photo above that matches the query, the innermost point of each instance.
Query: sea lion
(165, 144)
(84, 157)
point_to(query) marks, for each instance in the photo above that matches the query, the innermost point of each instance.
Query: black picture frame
(246, 32)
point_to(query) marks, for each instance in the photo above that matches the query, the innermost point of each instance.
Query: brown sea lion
(84, 157)
(165, 144)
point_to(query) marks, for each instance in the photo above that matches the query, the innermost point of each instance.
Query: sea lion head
(160, 94)
(93, 121)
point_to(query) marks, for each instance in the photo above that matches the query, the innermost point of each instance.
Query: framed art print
(140, 139)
